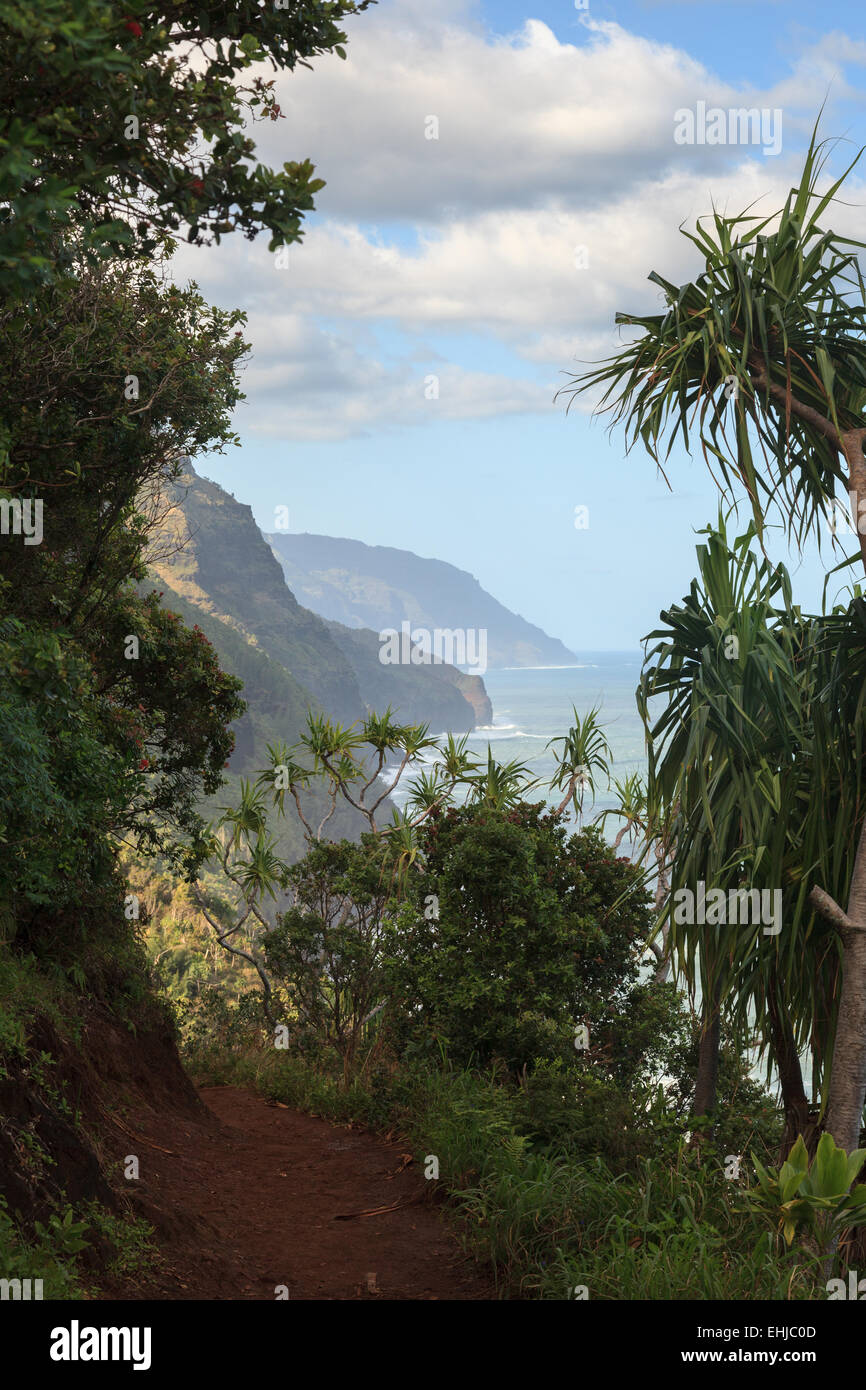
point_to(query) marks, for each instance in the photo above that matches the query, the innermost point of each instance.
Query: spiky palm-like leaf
(756, 737)
(762, 357)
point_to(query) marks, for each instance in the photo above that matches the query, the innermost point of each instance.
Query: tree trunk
(663, 969)
(848, 1075)
(663, 888)
(708, 1056)
(794, 1097)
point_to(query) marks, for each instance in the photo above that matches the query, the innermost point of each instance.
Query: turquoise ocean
(534, 704)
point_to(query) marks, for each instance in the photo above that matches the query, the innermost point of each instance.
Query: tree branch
(830, 910)
(793, 406)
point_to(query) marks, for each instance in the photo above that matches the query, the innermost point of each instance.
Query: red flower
(134, 28)
(196, 185)
(145, 762)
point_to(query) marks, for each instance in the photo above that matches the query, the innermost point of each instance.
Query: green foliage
(96, 462)
(51, 1251)
(327, 949)
(48, 1254)
(139, 375)
(218, 1036)
(813, 1199)
(669, 1232)
(175, 704)
(527, 938)
(83, 761)
(61, 788)
(27, 993)
(130, 1240)
(70, 163)
(746, 1116)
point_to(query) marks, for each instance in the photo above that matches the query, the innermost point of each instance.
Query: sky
(501, 178)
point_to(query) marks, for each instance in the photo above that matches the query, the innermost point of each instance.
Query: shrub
(512, 936)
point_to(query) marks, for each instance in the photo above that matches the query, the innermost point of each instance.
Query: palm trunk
(708, 1056)
(794, 1098)
(848, 1075)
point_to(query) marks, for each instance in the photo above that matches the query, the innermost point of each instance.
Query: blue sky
(405, 360)
(742, 40)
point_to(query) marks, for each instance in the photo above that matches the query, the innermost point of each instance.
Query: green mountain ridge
(216, 569)
(459, 701)
(212, 555)
(380, 587)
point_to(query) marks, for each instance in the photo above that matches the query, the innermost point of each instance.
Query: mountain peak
(381, 587)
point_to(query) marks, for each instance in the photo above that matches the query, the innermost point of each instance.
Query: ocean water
(534, 704)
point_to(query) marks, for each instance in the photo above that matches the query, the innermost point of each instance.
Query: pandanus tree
(353, 763)
(755, 743)
(762, 359)
(584, 757)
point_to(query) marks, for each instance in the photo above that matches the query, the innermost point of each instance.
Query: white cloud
(308, 383)
(543, 147)
(524, 120)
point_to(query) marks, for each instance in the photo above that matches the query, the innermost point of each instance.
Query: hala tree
(767, 345)
(585, 756)
(353, 763)
(320, 910)
(758, 744)
(503, 938)
(649, 818)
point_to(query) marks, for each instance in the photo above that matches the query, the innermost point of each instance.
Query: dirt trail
(251, 1197)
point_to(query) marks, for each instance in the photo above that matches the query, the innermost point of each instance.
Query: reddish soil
(252, 1195)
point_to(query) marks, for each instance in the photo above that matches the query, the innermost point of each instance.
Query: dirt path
(254, 1196)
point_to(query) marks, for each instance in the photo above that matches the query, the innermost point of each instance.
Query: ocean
(533, 704)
